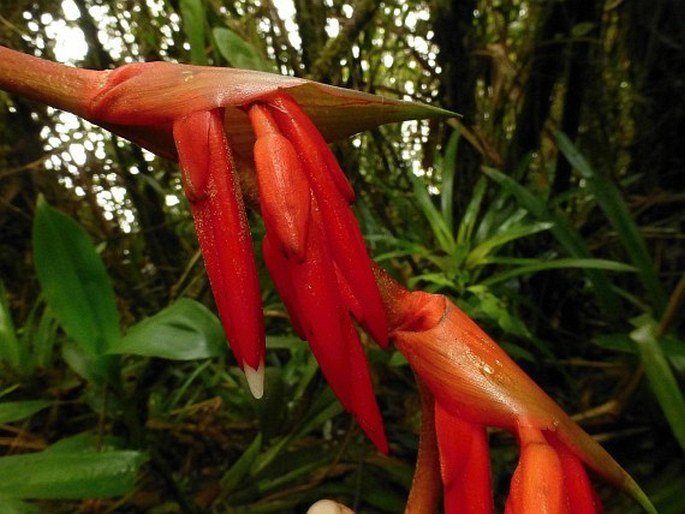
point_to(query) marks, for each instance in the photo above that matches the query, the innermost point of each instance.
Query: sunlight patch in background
(80, 148)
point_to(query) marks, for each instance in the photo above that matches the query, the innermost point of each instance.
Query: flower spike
(223, 231)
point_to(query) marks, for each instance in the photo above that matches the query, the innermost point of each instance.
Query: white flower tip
(255, 379)
(328, 507)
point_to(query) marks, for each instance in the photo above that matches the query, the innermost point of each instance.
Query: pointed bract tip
(255, 379)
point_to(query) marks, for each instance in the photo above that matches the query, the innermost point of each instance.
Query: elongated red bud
(224, 235)
(277, 265)
(580, 496)
(363, 400)
(285, 104)
(538, 482)
(426, 486)
(283, 186)
(464, 464)
(330, 332)
(318, 299)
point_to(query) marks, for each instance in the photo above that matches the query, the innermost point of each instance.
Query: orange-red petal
(283, 193)
(538, 482)
(464, 464)
(223, 231)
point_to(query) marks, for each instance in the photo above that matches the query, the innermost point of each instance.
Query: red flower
(470, 383)
(313, 246)
(216, 119)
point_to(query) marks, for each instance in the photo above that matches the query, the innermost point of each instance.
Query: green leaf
(193, 16)
(186, 330)
(618, 342)
(39, 338)
(94, 369)
(69, 475)
(10, 350)
(238, 52)
(85, 442)
(449, 168)
(242, 467)
(9, 505)
(16, 411)
(582, 29)
(468, 220)
(496, 309)
(433, 215)
(611, 202)
(481, 252)
(530, 266)
(74, 281)
(660, 376)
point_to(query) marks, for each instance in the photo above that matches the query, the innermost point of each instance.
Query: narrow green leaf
(238, 52)
(186, 330)
(10, 351)
(660, 376)
(324, 407)
(611, 202)
(528, 268)
(242, 467)
(449, 168)
(16, 411)
(468, 221)
(483, 250)
(193, 16)
(40, 337)
(618, 342)
(85, 442)
(74, 280)
(434, 217)
(94, 369)
(69, 476)
(566, 233)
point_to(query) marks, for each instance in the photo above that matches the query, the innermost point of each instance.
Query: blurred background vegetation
(552, 211)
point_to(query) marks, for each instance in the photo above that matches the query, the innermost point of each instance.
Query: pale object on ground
(328, 507)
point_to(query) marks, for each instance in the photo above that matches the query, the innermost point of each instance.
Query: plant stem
(63, 87)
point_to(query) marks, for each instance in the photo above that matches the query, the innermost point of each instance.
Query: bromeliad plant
(248, 138)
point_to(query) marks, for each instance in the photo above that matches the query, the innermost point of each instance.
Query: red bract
(223, 231)
(475, 385)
